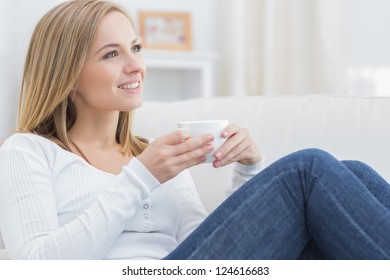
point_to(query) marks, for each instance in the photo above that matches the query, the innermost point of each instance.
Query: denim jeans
(307, 205)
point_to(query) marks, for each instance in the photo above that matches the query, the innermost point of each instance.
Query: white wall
(367, 31)
(18, 18)
(367, 45)
(5, 97)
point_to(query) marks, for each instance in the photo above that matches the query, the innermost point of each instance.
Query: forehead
(113, 27)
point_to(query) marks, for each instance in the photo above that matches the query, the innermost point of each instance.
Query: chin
(139, 104)
(134, 104)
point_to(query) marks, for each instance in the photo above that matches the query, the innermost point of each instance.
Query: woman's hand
(167, 156)
(239, 146)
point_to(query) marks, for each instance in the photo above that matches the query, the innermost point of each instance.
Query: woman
(76, 184)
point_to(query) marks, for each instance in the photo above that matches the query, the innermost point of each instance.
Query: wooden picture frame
(166, 31)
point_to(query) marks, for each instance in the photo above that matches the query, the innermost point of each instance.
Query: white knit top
(54, 205)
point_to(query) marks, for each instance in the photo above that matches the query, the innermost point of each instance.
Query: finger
(230, 130)
(193, 143)
(176, 137)
(234, 155)
(194, 157)
(229, 145)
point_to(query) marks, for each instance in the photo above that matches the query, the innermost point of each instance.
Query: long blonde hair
(57, 52)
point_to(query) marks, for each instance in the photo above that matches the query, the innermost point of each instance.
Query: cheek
(94, 80)
(143, 68)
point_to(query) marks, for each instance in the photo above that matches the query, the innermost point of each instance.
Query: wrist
(252, 161)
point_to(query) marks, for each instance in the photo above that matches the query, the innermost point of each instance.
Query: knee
(314, 153)
(314, 156)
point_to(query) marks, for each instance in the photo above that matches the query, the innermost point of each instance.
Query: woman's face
(113, 75)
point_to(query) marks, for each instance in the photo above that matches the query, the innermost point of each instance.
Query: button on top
(146, 216)
(146, 206)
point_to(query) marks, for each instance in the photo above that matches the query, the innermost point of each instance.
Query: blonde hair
(57, 52)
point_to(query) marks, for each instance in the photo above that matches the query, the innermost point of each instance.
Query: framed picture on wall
(162, 30)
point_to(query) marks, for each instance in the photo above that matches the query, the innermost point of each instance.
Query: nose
(134, 63)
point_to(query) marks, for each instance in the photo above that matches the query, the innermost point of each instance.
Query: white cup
(214, 127)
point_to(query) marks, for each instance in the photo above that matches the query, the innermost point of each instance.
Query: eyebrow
(113, 45)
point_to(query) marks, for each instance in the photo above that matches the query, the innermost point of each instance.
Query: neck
(98, 130)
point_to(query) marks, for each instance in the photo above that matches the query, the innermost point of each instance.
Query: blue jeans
(307, 205)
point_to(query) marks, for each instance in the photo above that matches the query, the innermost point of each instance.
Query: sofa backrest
(348, 127)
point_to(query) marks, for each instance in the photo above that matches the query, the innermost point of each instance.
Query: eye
(111, 54)
(136, 48)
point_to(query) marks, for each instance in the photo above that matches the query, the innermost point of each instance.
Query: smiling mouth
(130, 86)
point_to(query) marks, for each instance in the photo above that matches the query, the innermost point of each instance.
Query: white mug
(214, 127)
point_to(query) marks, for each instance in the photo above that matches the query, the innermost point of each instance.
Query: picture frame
(165, 30)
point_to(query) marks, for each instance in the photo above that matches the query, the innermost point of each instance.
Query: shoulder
(29, 142)
(23, 140)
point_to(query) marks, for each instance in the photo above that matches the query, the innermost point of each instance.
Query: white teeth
(130, 86)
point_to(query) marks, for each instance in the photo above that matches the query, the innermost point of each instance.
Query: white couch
(348, 127)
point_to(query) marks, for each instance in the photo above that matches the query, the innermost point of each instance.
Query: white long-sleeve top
(54, 205)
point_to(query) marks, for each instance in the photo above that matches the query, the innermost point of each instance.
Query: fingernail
(211, 137)
(225, 134)
(218, 155)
